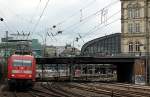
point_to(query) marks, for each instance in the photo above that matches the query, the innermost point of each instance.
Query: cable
(91, 31)
(101, 24)
(74, 14)
(36, 8)
(98, 29)
(90, 16)
(40, 17)
(87, 34)
(101, 27)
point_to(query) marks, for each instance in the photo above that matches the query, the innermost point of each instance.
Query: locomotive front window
(22, 63)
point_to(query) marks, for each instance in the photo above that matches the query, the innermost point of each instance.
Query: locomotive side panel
(21, 70)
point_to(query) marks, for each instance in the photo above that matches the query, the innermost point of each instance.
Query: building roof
(99, 39)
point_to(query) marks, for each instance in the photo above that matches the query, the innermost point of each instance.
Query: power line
(36, 8)
(91, 32)
(96, 29)
(83, 20)
(101, 24)
(90, 16)
(40, 17)
(74, 14)
(102, 27)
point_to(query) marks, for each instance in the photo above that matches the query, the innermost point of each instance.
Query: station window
(137, 27)
(130, 27)
(131, 47)
(137, 10)
(133, 10)
(137, 46)
(137, 13)
(134, 28)
(130, 13)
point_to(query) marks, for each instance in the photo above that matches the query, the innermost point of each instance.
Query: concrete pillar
(81, 68)
(93, 69)
(70, 72)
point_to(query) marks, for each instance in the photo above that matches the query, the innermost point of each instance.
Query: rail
(110, 91)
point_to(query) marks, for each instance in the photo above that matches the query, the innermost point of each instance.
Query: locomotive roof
(29, 56)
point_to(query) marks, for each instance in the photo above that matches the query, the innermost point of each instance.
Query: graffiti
(140, 79)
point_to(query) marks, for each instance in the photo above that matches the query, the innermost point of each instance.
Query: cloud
(24, 15)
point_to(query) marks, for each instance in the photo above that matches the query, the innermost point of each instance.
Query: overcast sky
(85, 19)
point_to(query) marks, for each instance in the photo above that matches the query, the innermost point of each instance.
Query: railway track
(130, 87)
(43, 93)
(53, 87)
(22, 94)
(119, 92)
(77, 90)
(80, 91)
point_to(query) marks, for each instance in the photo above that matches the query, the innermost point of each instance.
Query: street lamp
(1, 19)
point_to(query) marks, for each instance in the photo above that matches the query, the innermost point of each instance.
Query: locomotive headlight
(12, 75)
(30, 75)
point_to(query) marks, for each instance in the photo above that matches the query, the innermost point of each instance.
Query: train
(52, 72)
(21, 70)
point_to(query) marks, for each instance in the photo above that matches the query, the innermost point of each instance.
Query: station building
(109, 45)
(135, 24)
(106, 45)
(134, 37)
(135, 30)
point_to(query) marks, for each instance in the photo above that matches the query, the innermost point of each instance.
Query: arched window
(133, 10)
(136, 10)
(130, 9)
(130, 46)
(137, 13)
(137, 46)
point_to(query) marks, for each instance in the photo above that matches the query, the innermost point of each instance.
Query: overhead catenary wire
(101, 27)
(34, 28)
(101, 24)
(91, 32)
(98, 29)
(8, 28)
(32, 17)
(74, 14)
(95, 13)
(90, 16)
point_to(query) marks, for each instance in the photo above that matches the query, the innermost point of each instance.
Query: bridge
(87, 60)
(127, 66)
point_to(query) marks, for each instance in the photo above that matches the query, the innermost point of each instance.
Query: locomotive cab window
(22, 63)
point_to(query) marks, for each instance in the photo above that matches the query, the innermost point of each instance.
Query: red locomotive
(21, 70)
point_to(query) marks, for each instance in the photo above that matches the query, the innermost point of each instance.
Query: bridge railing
(124, 54)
